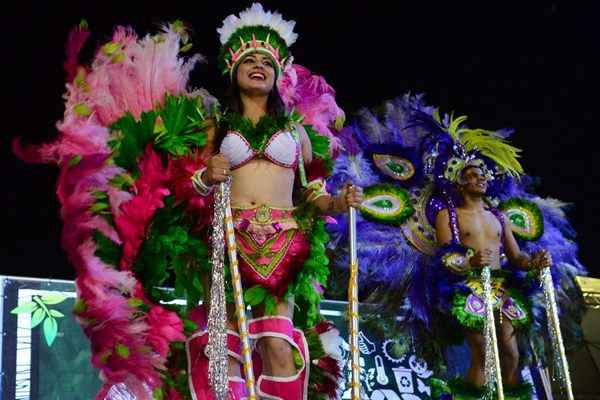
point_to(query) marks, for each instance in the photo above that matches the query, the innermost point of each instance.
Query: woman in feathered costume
(136, 161)
(264, 148)
(410, 163)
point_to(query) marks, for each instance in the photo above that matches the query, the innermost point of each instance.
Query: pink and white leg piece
(293, 387)
(198, 367)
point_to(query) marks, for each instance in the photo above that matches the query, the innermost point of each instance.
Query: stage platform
(33, 369)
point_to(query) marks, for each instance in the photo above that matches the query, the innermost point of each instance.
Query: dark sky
(532, 66)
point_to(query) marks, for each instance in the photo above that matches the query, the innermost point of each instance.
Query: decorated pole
(560, 359)
(217, 317)
(353, 306)
(238, 294)
(492, 357)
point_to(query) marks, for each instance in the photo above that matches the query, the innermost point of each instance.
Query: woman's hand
(350, 196)
(217, 170)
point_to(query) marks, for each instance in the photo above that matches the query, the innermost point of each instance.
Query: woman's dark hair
(233, 103)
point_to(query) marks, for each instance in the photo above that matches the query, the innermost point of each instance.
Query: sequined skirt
(271, 248)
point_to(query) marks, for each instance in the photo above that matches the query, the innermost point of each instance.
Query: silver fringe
(561, 366)
(492, 358)
(217, 315)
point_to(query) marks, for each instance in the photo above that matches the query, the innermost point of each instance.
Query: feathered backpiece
(128, 144)
(382, 155)
(402, 154)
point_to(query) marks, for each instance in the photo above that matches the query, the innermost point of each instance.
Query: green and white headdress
(255, 30)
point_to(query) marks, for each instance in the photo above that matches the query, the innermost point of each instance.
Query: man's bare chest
(478, 226)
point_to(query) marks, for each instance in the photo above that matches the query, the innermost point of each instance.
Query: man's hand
(217, 170)
(540, 260)
(482, 258)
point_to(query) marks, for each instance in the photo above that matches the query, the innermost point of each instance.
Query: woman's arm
(305, 145)
(350, 196)
(211, 132)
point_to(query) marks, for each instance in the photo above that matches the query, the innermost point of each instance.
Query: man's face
(474, 180)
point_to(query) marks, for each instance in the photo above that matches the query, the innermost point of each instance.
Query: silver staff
(492, 357)
(353, 306)
(560, 358)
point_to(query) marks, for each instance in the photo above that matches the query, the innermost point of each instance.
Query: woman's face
(256, 74)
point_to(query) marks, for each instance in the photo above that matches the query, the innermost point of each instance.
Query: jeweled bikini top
(271, 138)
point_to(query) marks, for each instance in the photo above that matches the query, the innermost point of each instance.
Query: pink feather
(137, 213)
(314, 99)
(145, 72)
(77, 38)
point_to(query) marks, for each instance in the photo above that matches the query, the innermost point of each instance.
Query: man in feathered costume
(139, 155)
(472, 234)
(432, 216)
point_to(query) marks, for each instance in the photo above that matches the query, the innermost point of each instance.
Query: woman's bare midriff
(262, 182)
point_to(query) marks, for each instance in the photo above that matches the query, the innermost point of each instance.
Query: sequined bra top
(280, 147)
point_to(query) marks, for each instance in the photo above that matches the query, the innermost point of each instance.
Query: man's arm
(443, 233)
(516, 257)
(520, 259)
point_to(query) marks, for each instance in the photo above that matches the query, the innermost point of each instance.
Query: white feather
(553, 205)
(257, 16)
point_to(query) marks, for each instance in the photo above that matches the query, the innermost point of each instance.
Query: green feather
(320, 147)
(453, 129)
(488, 143)
(255, 295)
(495, 147)
(314, 269)
(130, 138)
(107, 250)
(257, 135)
(180, 129)
(476, 322)
(184, 122)
(518, 392)
(169, 250)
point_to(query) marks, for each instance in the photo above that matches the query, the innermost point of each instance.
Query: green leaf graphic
(56, 314)
(50, 330)
(38, 316)
(24, 308)
(53, 298)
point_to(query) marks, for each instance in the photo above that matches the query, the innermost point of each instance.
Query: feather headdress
(255, 30)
